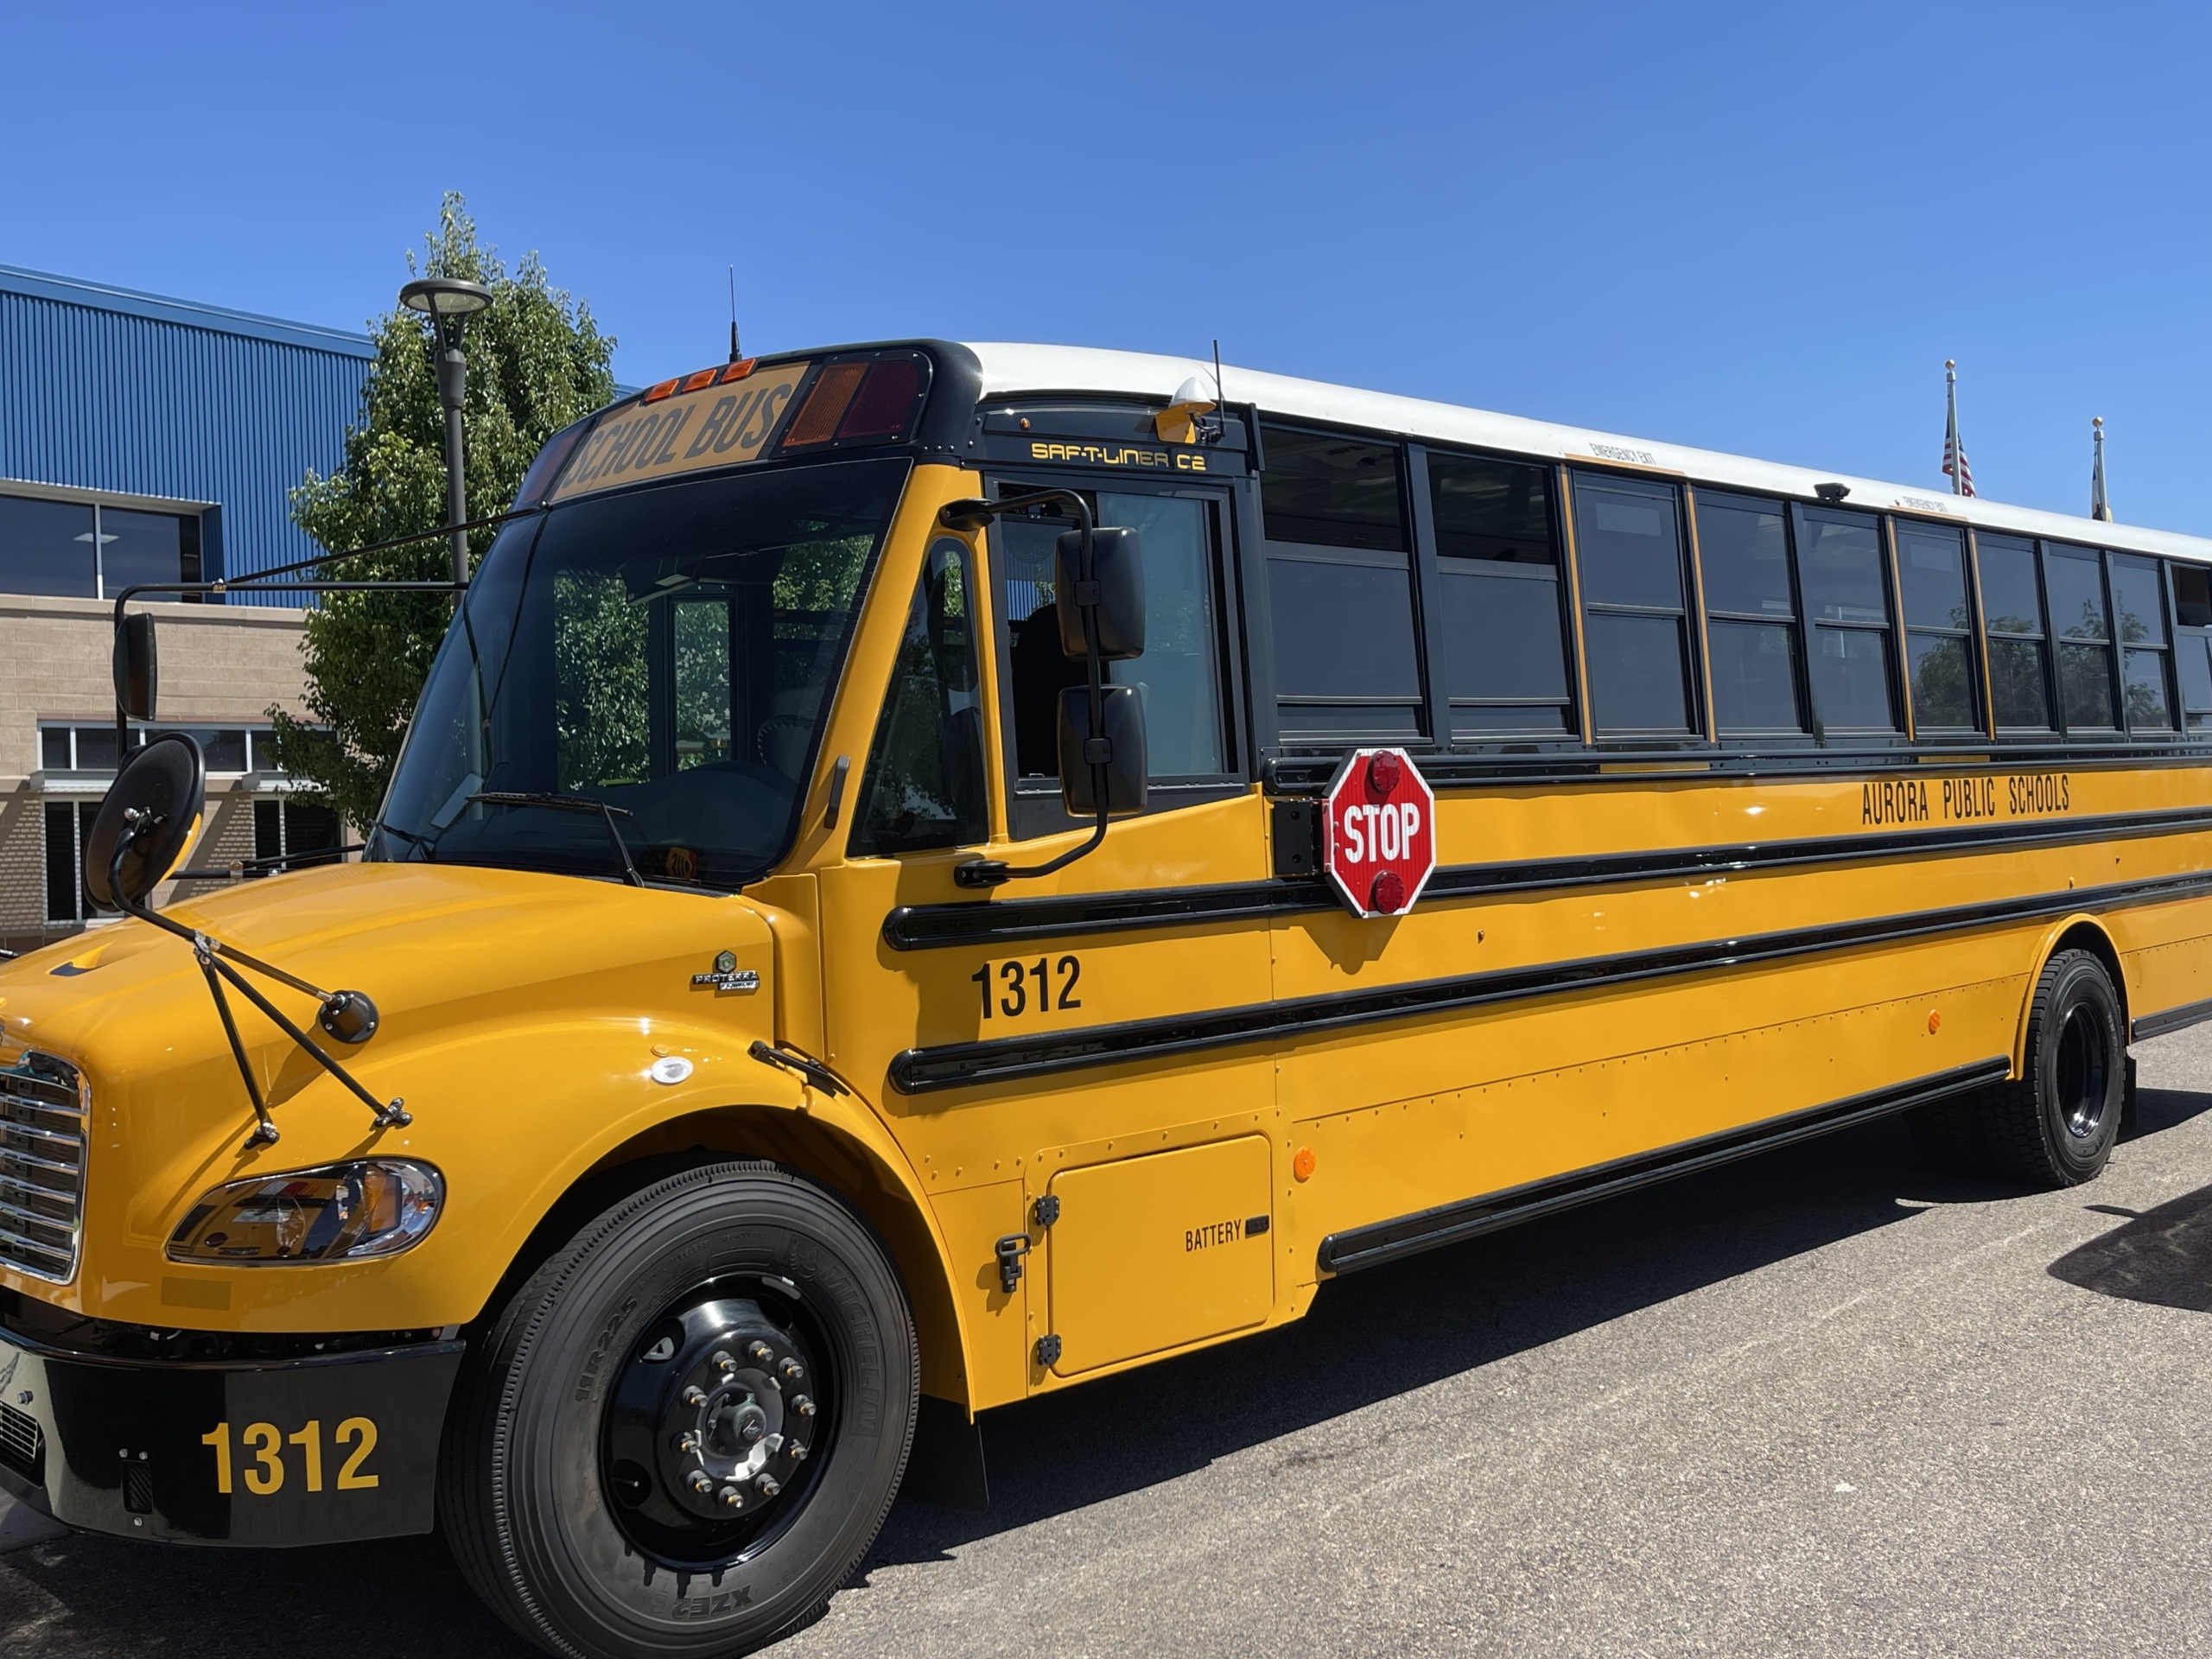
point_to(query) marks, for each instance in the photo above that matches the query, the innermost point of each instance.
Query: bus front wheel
(2056, 1124)
(681, 1436)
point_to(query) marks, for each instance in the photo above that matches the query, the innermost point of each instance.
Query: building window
(228, 749)
(288, 833)
(66, 824)
(80, 550)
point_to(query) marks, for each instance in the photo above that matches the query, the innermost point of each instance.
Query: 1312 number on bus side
(1010, 989)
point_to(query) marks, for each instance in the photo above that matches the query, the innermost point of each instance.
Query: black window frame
(1898, 733)
(1805, 733)
(2166, 650)
(1695, 700)
(2046, 550)
(1034, 807)
(1417, 562)
(1432, 613)
(1983, 717)
(2046, 655)
(2200, 634)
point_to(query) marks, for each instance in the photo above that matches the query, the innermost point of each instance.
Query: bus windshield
(668, 653)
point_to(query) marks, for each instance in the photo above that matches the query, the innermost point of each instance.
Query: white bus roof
(1011, 370)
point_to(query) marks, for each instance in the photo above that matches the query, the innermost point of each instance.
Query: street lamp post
(449, 303)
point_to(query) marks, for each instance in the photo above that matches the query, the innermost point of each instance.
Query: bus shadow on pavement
(2162, 1255)
(1391, 1329)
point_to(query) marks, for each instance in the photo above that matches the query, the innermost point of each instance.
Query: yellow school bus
(849, 945)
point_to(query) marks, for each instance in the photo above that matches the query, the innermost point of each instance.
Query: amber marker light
(1301, 1163)
(740, 369)
(653, 395)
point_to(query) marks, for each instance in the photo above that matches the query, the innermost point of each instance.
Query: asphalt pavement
(1821, 1403)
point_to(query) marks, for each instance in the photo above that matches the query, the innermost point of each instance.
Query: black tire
(2054, 1126)
(1947, 1134)
(594, 1557)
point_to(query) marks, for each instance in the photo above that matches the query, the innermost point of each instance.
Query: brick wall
(220, 665)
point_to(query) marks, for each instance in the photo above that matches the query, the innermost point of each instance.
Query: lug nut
(694, 1396)
(698, 1481)
(723, 1362)
(733, 1498)
(794, 1371)
(796, 1451)
(762, 1354)
(768, 1485)
(802, 1405)
(687, 1441)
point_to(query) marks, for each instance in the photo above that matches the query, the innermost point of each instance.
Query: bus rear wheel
(2056, 1124)
(681, 1436)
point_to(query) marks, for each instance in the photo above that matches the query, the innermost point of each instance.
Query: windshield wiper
(574, 803)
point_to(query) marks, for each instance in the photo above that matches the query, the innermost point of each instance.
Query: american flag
(1956, 467)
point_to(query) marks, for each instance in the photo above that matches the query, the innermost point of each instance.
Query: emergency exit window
(1504, 628)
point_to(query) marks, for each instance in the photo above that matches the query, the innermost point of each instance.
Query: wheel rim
(2084, 1072)
(719, 1425)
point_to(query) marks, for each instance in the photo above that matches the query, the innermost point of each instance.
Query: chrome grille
(42, 1167)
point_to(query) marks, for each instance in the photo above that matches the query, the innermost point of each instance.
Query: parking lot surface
(1819, 1403)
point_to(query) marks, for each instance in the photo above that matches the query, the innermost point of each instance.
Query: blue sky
(1757, 228)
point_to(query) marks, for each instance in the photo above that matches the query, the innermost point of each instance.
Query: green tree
(536, 361)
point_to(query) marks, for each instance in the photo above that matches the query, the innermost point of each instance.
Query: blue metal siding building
(112, 392)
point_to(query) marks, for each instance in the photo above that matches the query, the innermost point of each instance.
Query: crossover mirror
(1118, 576)
(1124, 762)
(147, 821)
(137, 667)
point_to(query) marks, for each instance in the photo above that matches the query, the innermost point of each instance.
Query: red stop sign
(1378, 842)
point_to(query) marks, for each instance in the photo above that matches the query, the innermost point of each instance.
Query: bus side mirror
(138, 668)
(1127, 764)
(1119, 575)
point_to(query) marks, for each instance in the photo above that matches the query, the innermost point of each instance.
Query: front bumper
(311, 1449)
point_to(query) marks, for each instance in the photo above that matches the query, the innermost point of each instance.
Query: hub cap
(2084, 1073)
(714, 1428)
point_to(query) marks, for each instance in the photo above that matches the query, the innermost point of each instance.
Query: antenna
(734, 354)
(1218, 398)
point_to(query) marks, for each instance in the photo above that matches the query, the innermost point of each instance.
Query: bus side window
(1750, 609)
(1180, 674)
(1627, 544)
(2020, 652)
(1340, 591)
(923, 784)
(1847, 601)
(2193, 643)
(1504, 640)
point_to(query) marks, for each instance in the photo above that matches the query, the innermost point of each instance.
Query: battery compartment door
(1148, 1254)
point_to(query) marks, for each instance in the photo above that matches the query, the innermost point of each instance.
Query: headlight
(341, 1212)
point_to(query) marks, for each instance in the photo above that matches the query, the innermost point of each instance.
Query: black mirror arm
(973, 515)
(209, 954)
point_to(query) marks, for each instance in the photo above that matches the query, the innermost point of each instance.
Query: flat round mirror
(164, 784)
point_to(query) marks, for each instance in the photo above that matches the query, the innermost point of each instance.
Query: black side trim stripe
(1008, 921)
(1428, 1229)
(2157, 1025)
(953, 1065)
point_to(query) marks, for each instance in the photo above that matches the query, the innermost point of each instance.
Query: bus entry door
(1148, 1254)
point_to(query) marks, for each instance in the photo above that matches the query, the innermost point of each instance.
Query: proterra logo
(726, 975)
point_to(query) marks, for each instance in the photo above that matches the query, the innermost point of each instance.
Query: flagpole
(1951, 424)
(2100, 503)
